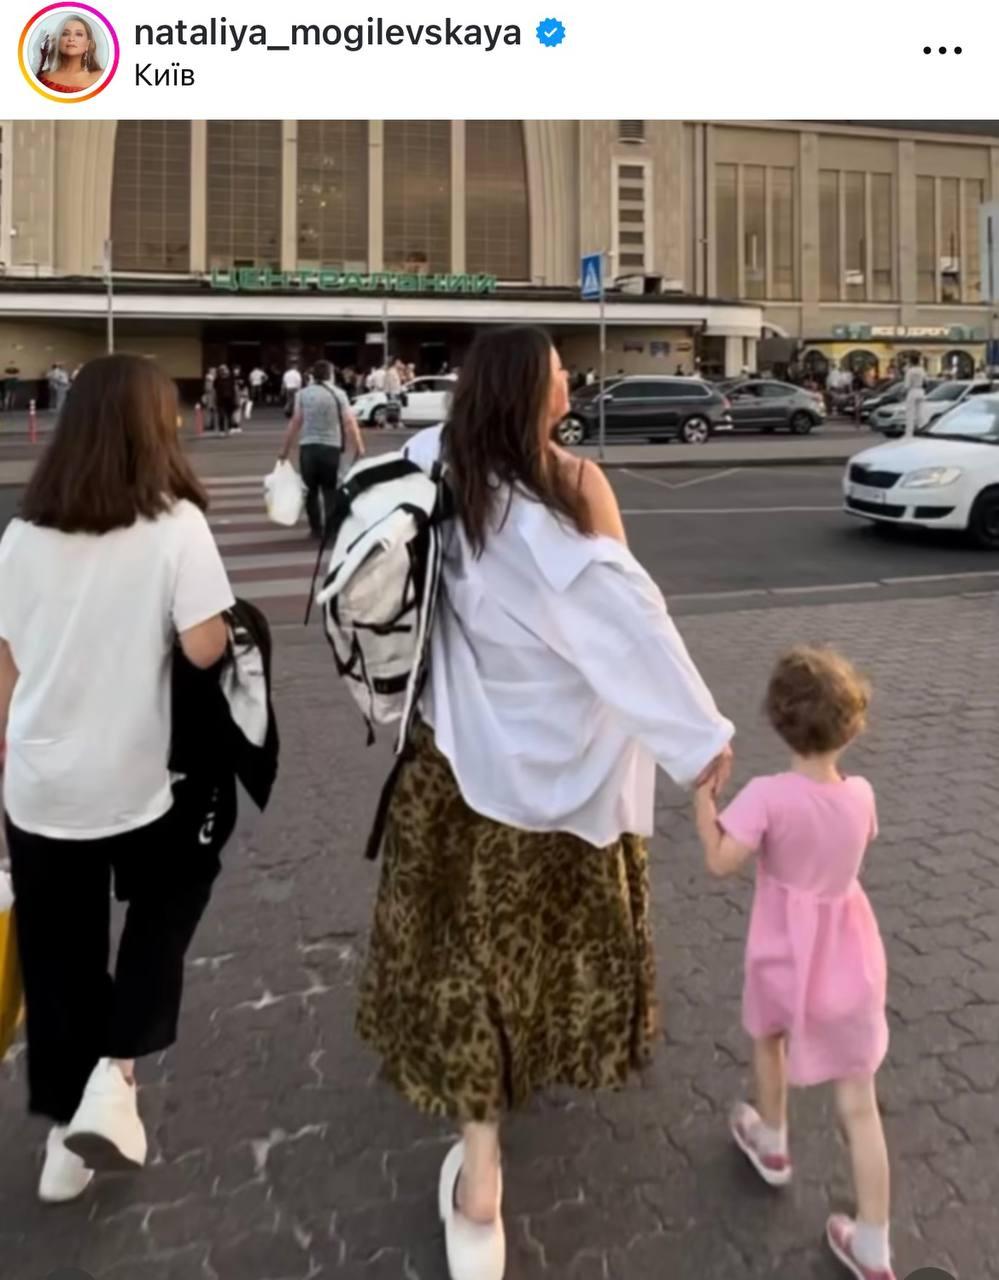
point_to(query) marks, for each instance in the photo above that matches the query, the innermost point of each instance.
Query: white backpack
(381, 584)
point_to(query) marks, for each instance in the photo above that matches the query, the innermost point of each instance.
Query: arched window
(418, 195)
(244, 193)
(333, 194)
(861, 362)
(151, 196)
(498, 226)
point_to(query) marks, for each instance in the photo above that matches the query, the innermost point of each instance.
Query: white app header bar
(546, 58)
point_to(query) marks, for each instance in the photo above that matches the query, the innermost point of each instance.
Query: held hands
(715, 777)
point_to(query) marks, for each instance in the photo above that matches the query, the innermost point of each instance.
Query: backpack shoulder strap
(339, 411)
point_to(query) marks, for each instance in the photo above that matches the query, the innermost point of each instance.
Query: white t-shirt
(257, 377)
(91, 621)
(292, 380)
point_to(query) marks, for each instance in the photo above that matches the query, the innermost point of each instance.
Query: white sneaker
(64, 1176)
(106, 1131)
(475, 1250)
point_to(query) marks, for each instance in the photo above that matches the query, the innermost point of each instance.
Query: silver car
(890, 418)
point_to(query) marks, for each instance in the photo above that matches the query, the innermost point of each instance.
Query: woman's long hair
(497, 434)
(91, 62)
(116, 455)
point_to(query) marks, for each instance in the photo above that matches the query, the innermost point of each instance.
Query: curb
(713, 464)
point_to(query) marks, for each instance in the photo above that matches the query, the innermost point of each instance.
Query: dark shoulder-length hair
(116, 455)
(496, 436)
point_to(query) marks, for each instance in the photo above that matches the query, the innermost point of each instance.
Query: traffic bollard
(199, 420)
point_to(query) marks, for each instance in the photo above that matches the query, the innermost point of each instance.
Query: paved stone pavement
(277, 1155)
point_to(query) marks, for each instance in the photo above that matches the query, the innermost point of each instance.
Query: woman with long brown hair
(74, 63)
(110, 562)
(511, 947)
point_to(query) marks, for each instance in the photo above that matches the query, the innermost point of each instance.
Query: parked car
(763, 404)
(424, 403)
(890, 419)
(894, 393)
(944, 477)
(648, 408)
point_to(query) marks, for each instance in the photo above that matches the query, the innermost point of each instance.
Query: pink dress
(815, 962)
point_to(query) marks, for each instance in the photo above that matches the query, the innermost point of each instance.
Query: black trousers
(76, 1012)
(320, 467)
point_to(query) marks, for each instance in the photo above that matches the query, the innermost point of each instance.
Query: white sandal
(475, 1250)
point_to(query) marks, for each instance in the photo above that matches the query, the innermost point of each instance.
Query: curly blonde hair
(817, 701)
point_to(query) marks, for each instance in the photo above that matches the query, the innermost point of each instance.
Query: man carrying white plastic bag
(323, 419)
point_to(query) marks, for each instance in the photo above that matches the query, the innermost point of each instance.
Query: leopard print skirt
(502, 961)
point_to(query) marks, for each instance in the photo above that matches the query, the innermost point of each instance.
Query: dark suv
(648, 408)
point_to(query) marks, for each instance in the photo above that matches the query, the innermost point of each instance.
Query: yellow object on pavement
(11, 990)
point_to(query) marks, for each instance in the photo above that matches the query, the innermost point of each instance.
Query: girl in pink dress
(814, 993)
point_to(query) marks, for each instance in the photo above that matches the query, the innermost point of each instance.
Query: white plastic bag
(284, 495)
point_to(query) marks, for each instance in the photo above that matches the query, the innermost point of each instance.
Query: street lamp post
(606, 259)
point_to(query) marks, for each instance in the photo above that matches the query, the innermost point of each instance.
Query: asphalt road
(720, 540)
(779, 532)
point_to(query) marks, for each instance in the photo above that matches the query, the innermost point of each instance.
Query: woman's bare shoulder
(597, 493)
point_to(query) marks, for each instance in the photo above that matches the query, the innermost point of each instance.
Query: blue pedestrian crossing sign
(591, 275)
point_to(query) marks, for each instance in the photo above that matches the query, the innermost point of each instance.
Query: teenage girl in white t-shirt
(111, 561)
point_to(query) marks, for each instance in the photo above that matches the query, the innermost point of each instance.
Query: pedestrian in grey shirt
(323, 420)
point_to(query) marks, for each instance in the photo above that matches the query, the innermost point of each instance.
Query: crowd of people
(511, 947)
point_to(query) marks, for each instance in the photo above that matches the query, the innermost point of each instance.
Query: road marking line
(637, 475)
(267, 537)
(715, 475)
(270, 560)
(680, 484)
(277, 589)
(942, 577)
(826, 587)
(721, 511)
(248, 518)
(721, 595)
(236, 502)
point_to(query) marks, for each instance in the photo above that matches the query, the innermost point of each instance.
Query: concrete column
(376, 195)
(458, 192)
(553, 185)
(199, 196)
(33, 198)
(810, 264)
(711, 221)
(993, 192)
(6, 206)
(84, 172)
(749, 354)
(908, 291)
(733, 357)
(699, 231)
(289, 195)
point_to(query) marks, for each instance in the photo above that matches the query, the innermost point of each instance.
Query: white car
(944, 477)
(890, 418)
(425, 403)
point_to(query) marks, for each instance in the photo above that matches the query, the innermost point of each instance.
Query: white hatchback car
(425, 403)
(944, 477)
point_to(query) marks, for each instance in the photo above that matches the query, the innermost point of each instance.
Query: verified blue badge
(551, 32)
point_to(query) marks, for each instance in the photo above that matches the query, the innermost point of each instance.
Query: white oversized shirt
(558, 680)
(91, 621)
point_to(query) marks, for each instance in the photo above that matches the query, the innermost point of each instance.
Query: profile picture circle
(68, 53)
